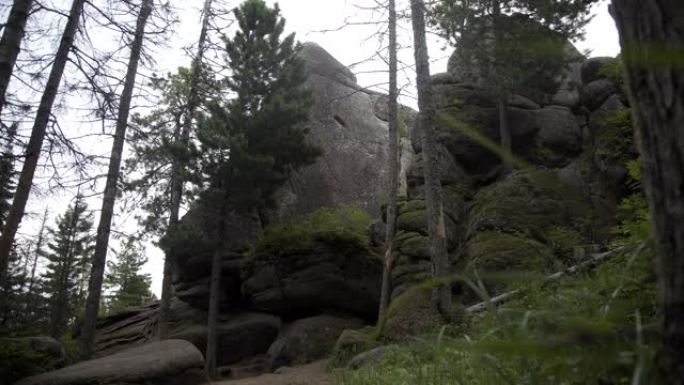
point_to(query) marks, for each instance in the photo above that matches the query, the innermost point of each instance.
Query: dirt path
(311, 374)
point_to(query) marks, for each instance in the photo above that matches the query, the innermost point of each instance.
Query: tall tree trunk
(502, 100)
(32, 281)
(393, 158)
(10, 43)
(104, 227)
(214, 303)
(433, 187)
(652, 37)
(177, 181)
(35, 143)
(505, 136)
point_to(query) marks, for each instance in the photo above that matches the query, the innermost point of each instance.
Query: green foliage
(129, 287)
(66, 275)
(12, 296)
(156, 145)
(7, 174)
(346, 229)
(253, 142)
(615, 141)
(19, 361)
(580, 330)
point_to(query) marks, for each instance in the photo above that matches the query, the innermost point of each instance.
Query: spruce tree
(68, 254)
(512, 46)
(128, 286)
(12, 295)
(7, 174)
(253, 142)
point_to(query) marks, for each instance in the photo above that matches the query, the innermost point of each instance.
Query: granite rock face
(163, 362)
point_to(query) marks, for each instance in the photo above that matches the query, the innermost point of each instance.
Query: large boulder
(344, 125)
(164, 362)
(593, 69)
(308, 339)
(324, 278)
(240, 334)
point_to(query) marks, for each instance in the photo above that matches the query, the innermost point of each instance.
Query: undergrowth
(597, 327)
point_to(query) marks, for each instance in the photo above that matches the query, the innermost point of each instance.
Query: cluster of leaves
(346, 229)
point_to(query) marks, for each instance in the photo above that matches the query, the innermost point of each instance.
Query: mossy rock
(351, 343)
(411, 205)
(527, 202)
(412, 313)
(493, 252)
(413, 245)
(415, 221)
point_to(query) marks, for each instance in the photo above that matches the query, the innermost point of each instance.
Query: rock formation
(278, 311)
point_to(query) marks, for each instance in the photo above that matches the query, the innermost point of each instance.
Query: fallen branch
(594, 260)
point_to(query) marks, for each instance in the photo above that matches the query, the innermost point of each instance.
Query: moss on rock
(351, 343)
(412, 313)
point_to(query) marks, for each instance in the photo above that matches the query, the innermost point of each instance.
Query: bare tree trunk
(176, 175)
(214, 303)
(104, 227)
(35, 143)
(10, 44)
(505, 136)
(433, 187)
(393, 165)
(652, 37)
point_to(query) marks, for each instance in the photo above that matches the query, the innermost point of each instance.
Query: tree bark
(10, 44)
(39, 246)
(177, 180)
(505, 136)
(393, 158)
(35, 143)
(214, 303)
(433, 187)
(652, 37)
(104, 226)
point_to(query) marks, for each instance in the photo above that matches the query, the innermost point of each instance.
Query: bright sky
(350, 45)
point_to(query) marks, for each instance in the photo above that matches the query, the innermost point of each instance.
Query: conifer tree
(129, 287)
(512, 46)
(253, 142)
(99, 259)
(68, 254)
(7, 184)
(12, 295)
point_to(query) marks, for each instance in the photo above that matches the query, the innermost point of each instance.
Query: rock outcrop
(288, 303)
(272, 304)
(164, 362)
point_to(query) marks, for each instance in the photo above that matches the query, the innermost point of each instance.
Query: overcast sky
(350, 45)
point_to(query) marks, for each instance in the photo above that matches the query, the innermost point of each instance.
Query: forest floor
(312, 374)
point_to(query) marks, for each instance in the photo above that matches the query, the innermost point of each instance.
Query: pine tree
(10, 43)
(111, 186)
(35, 144)
(393, 185)
(68, 256)
(7, 174)
(652, 36)
(513, 46)
(256, 140)
(129, 287)
(12, 295)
